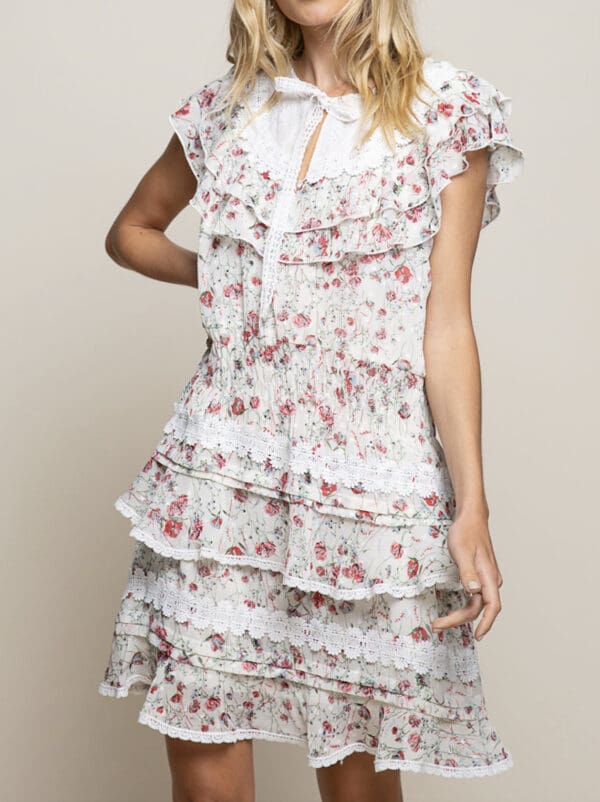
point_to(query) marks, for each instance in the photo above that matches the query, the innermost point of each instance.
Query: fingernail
(473, 585)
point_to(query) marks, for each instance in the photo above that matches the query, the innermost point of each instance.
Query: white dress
(290, 524)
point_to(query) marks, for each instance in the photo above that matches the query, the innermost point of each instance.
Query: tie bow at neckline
(344, 107)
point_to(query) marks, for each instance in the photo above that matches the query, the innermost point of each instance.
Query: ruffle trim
(320, 750)
(427, 657)
(445, 579)
(398, 206)
(279, 452)
(333, 757)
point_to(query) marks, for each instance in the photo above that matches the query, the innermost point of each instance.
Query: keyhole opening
(309, 152)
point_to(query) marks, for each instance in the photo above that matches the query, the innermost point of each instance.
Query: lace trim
(402, 652)
(285, 199)
(265, 151)
(440, 578)
(324, 760)
(120, 692)
(385, 475)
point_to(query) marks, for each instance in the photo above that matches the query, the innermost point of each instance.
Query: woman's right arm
(137, 240)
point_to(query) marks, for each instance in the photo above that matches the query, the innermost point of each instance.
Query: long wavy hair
(375, 47)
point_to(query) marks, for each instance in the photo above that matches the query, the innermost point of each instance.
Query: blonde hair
(374, 43)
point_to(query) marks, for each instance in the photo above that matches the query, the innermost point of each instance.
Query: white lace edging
(441, 661)
(106, 689)
(233, 736)
(439, 579)
(245, 440)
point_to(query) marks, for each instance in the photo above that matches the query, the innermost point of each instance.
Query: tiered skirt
(253, 613)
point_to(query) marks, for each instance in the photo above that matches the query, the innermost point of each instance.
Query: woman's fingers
(491, 598)
(481, 578)
(461, 615)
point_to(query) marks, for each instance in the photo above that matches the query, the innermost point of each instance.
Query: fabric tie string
(344, 107)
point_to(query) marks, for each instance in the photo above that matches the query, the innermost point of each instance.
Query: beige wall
(95, 355)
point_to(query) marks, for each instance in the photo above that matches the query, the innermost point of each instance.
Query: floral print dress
(290, 524)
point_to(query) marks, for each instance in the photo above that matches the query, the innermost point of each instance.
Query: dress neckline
(293, 74)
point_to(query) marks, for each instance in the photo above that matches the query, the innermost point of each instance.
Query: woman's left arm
(453, 387)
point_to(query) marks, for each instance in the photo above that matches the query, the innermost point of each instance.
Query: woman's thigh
(354, 779)
(211, 772)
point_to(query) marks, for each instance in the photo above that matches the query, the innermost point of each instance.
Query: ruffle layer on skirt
(249, 615)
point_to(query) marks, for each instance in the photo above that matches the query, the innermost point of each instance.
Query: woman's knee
(211, 772)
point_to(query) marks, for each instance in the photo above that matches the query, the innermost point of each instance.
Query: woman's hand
(470, 546)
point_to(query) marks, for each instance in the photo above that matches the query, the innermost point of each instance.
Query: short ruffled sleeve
(186, 122)
(470, 113)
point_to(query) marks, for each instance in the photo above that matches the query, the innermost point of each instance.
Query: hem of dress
(459, 772)
(106, 689)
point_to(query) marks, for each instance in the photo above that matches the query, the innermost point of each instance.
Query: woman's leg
(211, 772)
(355, 780)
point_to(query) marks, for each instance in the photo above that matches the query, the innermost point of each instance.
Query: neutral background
(95, 355)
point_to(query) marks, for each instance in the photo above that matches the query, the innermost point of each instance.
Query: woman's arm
(137, 240)
(453, 387)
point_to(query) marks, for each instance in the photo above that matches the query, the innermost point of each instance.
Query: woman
(309, 562)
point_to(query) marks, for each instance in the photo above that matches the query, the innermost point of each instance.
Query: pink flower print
(472, 97)
(206, 299)
(176, 698)
(206, 97)
(320, 551)
(397, 550)
(214, 407)
(404, 410)
(265, 548)
(219, 460)
(412, 568)
(301, 321)
(233, 290)
(272, 507)
(172, 528)
(414, 720)
(212, 703)
(287, 407)
(183, 111)
(431, 500)
(445, 109)
(419, 634)
(414, 739)
(326, 414)
(178, 506)
(381, 233)
(327, 489)
(237, 406)
(235, 551)
(327, 727)
(255, 402)
(248, 665)
(318, 599)
(196, 529)
(403, 274)
(355, 571)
